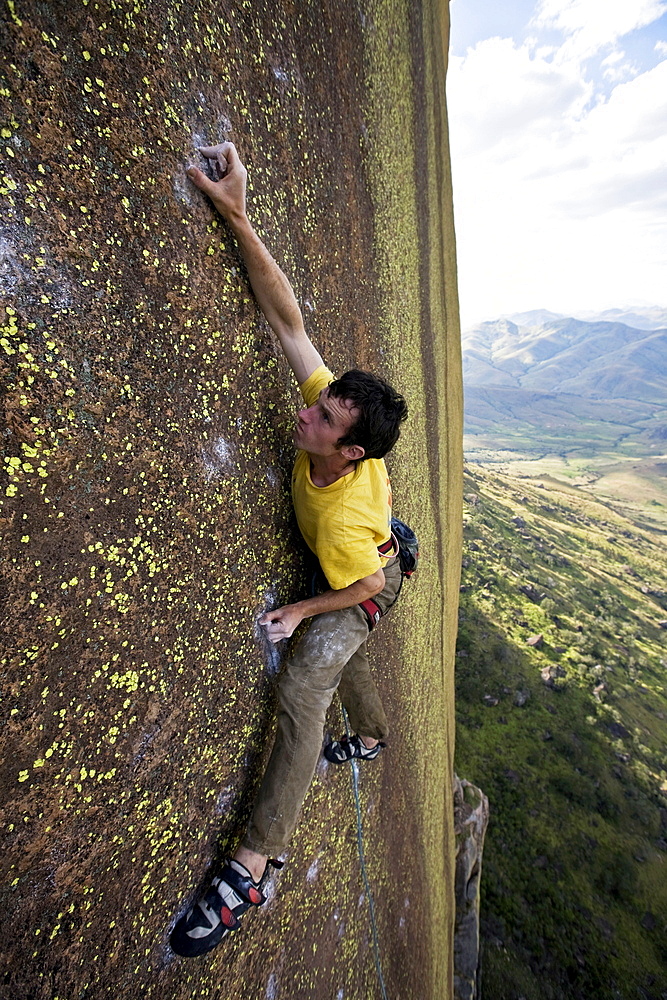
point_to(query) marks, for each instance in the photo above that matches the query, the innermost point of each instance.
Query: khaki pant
(332, 654)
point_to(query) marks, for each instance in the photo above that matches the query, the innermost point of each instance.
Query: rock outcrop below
(471, 817)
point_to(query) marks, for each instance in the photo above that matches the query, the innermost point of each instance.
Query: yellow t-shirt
(343, 523)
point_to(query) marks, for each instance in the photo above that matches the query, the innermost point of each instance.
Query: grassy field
(634, 484)
(566, 736)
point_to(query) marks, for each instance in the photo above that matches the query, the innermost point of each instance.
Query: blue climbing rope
(364, 872)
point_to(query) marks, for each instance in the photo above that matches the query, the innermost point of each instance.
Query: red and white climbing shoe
(217, 913)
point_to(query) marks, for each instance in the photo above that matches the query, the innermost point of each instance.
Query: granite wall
(145, 514)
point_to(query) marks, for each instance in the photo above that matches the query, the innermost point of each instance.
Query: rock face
(146, 516)
(471, 817)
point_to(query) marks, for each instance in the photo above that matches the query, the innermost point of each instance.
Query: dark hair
(381, 412)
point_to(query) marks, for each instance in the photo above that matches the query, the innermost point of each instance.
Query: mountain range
(557, 381)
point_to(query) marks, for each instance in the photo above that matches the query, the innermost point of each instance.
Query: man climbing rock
(342, 499)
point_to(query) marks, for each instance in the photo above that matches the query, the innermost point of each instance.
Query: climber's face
(320, 427)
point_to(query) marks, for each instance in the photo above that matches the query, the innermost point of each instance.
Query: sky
(558, 128)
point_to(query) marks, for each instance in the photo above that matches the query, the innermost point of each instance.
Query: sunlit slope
(562, 719)
(145, 498)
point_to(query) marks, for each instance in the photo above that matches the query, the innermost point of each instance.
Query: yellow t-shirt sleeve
(312, 387)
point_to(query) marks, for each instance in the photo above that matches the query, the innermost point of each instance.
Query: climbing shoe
(230, 894)
(348, 748)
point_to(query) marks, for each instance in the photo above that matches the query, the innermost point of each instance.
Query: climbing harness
(402, 542)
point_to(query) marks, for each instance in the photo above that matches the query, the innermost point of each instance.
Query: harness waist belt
(390, 547)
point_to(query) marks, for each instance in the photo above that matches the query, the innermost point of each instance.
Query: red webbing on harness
(372, 611)
(371, 608)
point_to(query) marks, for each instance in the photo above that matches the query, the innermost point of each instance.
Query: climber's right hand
(228, 193)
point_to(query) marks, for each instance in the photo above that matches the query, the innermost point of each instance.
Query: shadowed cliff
(145, 494)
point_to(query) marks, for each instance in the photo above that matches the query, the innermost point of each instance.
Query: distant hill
(538, 381)
(652, 318)
(595, 360)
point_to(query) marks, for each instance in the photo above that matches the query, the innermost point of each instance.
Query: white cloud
(590, 25)
(559, 194)
(616, 68)
(507, 90)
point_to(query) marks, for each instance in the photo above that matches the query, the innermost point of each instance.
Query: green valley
(562, 721)
(583, 402)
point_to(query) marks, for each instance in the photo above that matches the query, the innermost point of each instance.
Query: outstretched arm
(270, 286)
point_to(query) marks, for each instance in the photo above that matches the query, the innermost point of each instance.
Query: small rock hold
(535, 640)
(520, 698)
(490, 701)
(519, 521)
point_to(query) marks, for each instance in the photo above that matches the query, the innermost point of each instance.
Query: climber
(342, 500)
